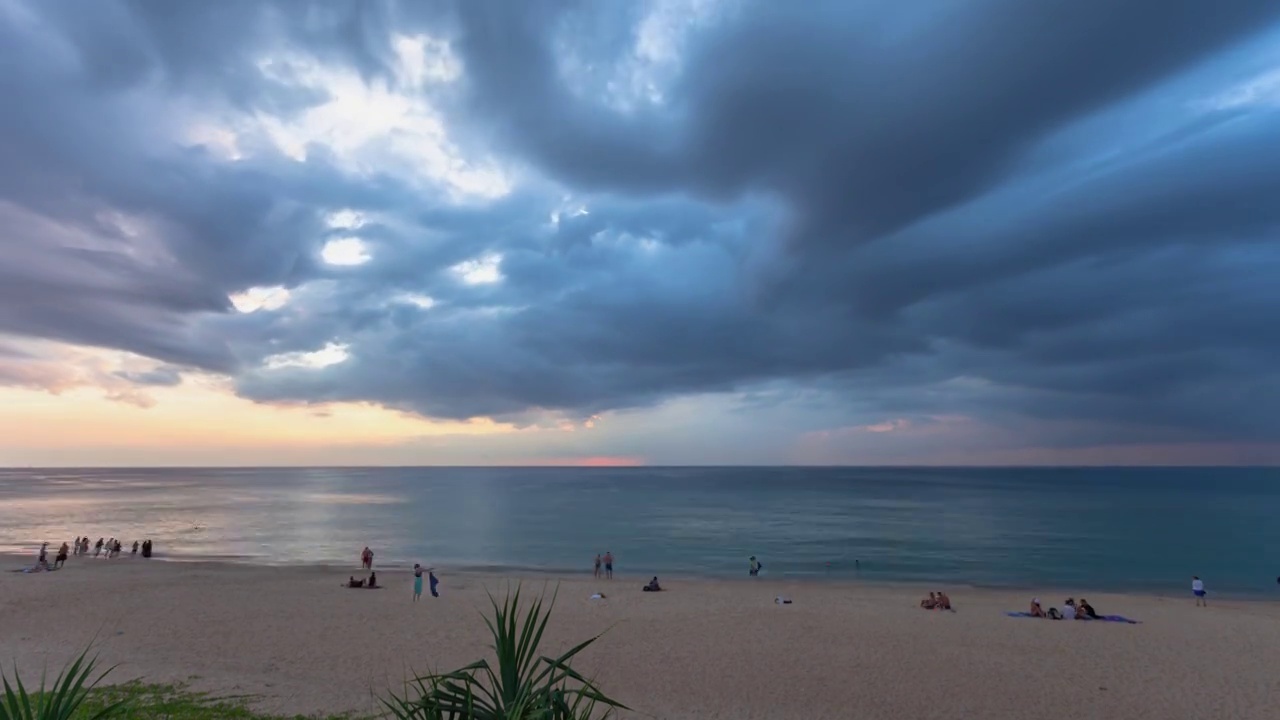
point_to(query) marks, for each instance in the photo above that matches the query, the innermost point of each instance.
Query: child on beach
(417, 582)
(1197, 589)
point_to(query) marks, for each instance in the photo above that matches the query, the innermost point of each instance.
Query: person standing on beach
(97, 547)
(366, 559)
(1197, 589)
(417, 582)
(597, 572)
(608, 564)
(61, 559)
(755, 566)
(76, 551)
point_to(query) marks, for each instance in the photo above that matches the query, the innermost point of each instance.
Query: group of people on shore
(80, 546)
(107, 548)
(936, 601)
(607, 561)
(1071, 610)
(366, 563)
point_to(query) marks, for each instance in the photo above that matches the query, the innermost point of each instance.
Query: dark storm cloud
(853, 201)
(865, 117)
(159, 377)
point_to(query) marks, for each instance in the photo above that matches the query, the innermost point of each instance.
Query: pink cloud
(588, 461)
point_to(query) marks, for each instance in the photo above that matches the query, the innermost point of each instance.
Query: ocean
(1137, 529)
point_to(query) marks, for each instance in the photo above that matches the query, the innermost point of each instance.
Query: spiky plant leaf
(525, 685)
(60, 702)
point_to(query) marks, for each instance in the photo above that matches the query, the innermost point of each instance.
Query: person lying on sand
(944, 602)
(930, 602)
(354, 583)
(653, 585)
(1036, 610)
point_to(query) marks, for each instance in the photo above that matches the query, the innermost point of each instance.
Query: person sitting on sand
(1036, 610)
(1084, 608)
(373, 580)
(944, 602)
(653, 585)
(352, 582)
(930, 602)
(1069, 610)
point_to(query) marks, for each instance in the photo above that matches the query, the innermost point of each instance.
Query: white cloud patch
(331, 354)
(657, 56)
(483, 270)
(1260, 91)
(422, 302)
(422, 59)
(260, 298)
(345, 219)
(346, 251)
(375, 127)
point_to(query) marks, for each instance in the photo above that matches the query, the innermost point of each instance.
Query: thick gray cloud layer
(998, 209)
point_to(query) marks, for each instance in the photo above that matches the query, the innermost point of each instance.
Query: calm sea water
(1137, 529)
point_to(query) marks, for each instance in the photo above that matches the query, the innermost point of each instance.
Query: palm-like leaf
(525, 685)
(61, 701)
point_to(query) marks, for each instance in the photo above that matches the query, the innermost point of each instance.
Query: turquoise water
(1138, 529)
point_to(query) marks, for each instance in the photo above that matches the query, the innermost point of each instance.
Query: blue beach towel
(1101, 618)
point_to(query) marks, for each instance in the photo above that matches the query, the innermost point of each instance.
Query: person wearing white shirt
(1197, 589)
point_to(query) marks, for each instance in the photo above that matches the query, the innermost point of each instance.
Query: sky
(575, 232)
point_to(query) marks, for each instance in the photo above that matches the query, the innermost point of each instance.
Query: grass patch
(173, 702)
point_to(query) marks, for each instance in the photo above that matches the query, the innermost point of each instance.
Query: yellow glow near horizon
(202, 411)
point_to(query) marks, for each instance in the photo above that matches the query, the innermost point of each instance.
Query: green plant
(61, 701)
(177, 702)
(525, 685)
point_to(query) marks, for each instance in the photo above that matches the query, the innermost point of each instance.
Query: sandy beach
(703, 649)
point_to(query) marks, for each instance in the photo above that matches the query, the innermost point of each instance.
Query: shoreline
(12, 561)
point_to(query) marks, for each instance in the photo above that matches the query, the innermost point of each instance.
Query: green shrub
(61, 701)
(525, 685)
